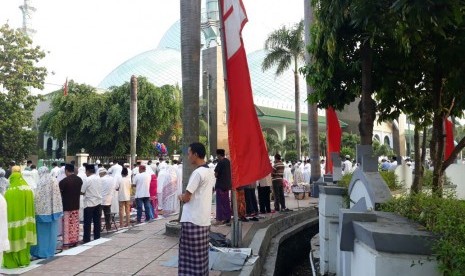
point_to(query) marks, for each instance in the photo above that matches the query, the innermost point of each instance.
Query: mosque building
(273, 95)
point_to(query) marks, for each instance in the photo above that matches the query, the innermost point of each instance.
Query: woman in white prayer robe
(4, 242)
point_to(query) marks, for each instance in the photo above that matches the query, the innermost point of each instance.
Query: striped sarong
(70, 227)
(193, 249)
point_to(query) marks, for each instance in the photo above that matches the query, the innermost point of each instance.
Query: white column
(283, 132)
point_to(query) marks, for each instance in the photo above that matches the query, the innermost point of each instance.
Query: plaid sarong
(70, 227)
(193, 249)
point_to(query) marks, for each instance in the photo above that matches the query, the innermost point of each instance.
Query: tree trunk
(437, 140)
(298, 119)
(418, 179)
(313, 137)
(367, 106)
(133, 119)
(190, 59)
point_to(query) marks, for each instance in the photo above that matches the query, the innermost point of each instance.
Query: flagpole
(236, 226)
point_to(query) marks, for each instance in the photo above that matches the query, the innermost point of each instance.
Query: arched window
(387, 141)
(376, 137)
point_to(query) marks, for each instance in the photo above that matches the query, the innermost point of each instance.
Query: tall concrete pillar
(213, 88)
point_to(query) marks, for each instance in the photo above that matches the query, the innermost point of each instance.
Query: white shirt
(108, 188)
(92, 187)
(347, 165)
(198, 209)
(115, 170)
(4, 242)
(142, 181)
(55, 171)
(124, 188)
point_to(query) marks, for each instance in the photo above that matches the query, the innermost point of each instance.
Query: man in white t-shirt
(142, 183)
(195, 219)
(92, 191)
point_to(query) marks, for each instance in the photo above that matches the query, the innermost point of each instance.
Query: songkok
(220, 152)
(142, 167)
(69, 167)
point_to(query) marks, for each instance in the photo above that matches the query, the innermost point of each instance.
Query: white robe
(4, 242)
(31, 177)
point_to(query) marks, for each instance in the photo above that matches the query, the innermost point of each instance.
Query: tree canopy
(408, 56)
(19, 73)
(99, 122)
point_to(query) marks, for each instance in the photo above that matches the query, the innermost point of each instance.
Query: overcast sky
(87, 39)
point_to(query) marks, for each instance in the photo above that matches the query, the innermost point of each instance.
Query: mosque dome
(163, 66)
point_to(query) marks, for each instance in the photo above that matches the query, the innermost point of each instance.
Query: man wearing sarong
(195, 219)
(222, 188)
(21, 221)
(70, 188)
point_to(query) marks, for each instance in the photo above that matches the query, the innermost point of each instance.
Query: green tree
(84, 113)
(272, 143)
(286, 48)
(19, 73)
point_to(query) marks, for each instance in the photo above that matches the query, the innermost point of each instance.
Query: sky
(86, 39)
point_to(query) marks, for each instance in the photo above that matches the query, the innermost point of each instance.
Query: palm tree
(285, 48)
(190, 60)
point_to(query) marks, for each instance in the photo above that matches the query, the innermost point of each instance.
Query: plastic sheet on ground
(221, 258)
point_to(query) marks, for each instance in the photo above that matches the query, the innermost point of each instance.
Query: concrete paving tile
(42, 271)
(72, 263)
(123, 242)
(159, 271)
(102, 251)
(158, 243)
(168, 255)
(96, 274)
(141, 253)
(119, 266)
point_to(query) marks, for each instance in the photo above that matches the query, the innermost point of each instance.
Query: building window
(387, 141)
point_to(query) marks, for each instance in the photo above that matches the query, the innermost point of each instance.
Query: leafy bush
(291, 155)
(388, 176)
(445, 218)
(428, 179)
(391, 180)
(348, 151)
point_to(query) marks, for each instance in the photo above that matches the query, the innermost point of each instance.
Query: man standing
(277, 182)
(108, 190)
(346, 165)
(70, 188)
(142, 183)
(195, 219)
(92, 191)
(222, 188)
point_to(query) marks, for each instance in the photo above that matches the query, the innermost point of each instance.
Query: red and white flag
(333, 137)
(249, 156)
(65, 88)
(449, 129)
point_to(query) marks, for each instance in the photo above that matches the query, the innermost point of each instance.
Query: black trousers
(250, 201)
(264, 199)
(92, 215)
(278, 191)
(106, 209)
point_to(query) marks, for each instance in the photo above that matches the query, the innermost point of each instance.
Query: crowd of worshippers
(39, 205)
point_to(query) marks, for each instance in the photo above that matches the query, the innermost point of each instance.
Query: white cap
(102, 170)
(347, 156)
(97, 162)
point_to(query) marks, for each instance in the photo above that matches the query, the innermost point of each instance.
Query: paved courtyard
(138, 250)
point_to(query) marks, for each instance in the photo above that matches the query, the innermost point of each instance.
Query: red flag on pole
(333, 137)
(65, 88)
(449, 138)
(249, 156)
